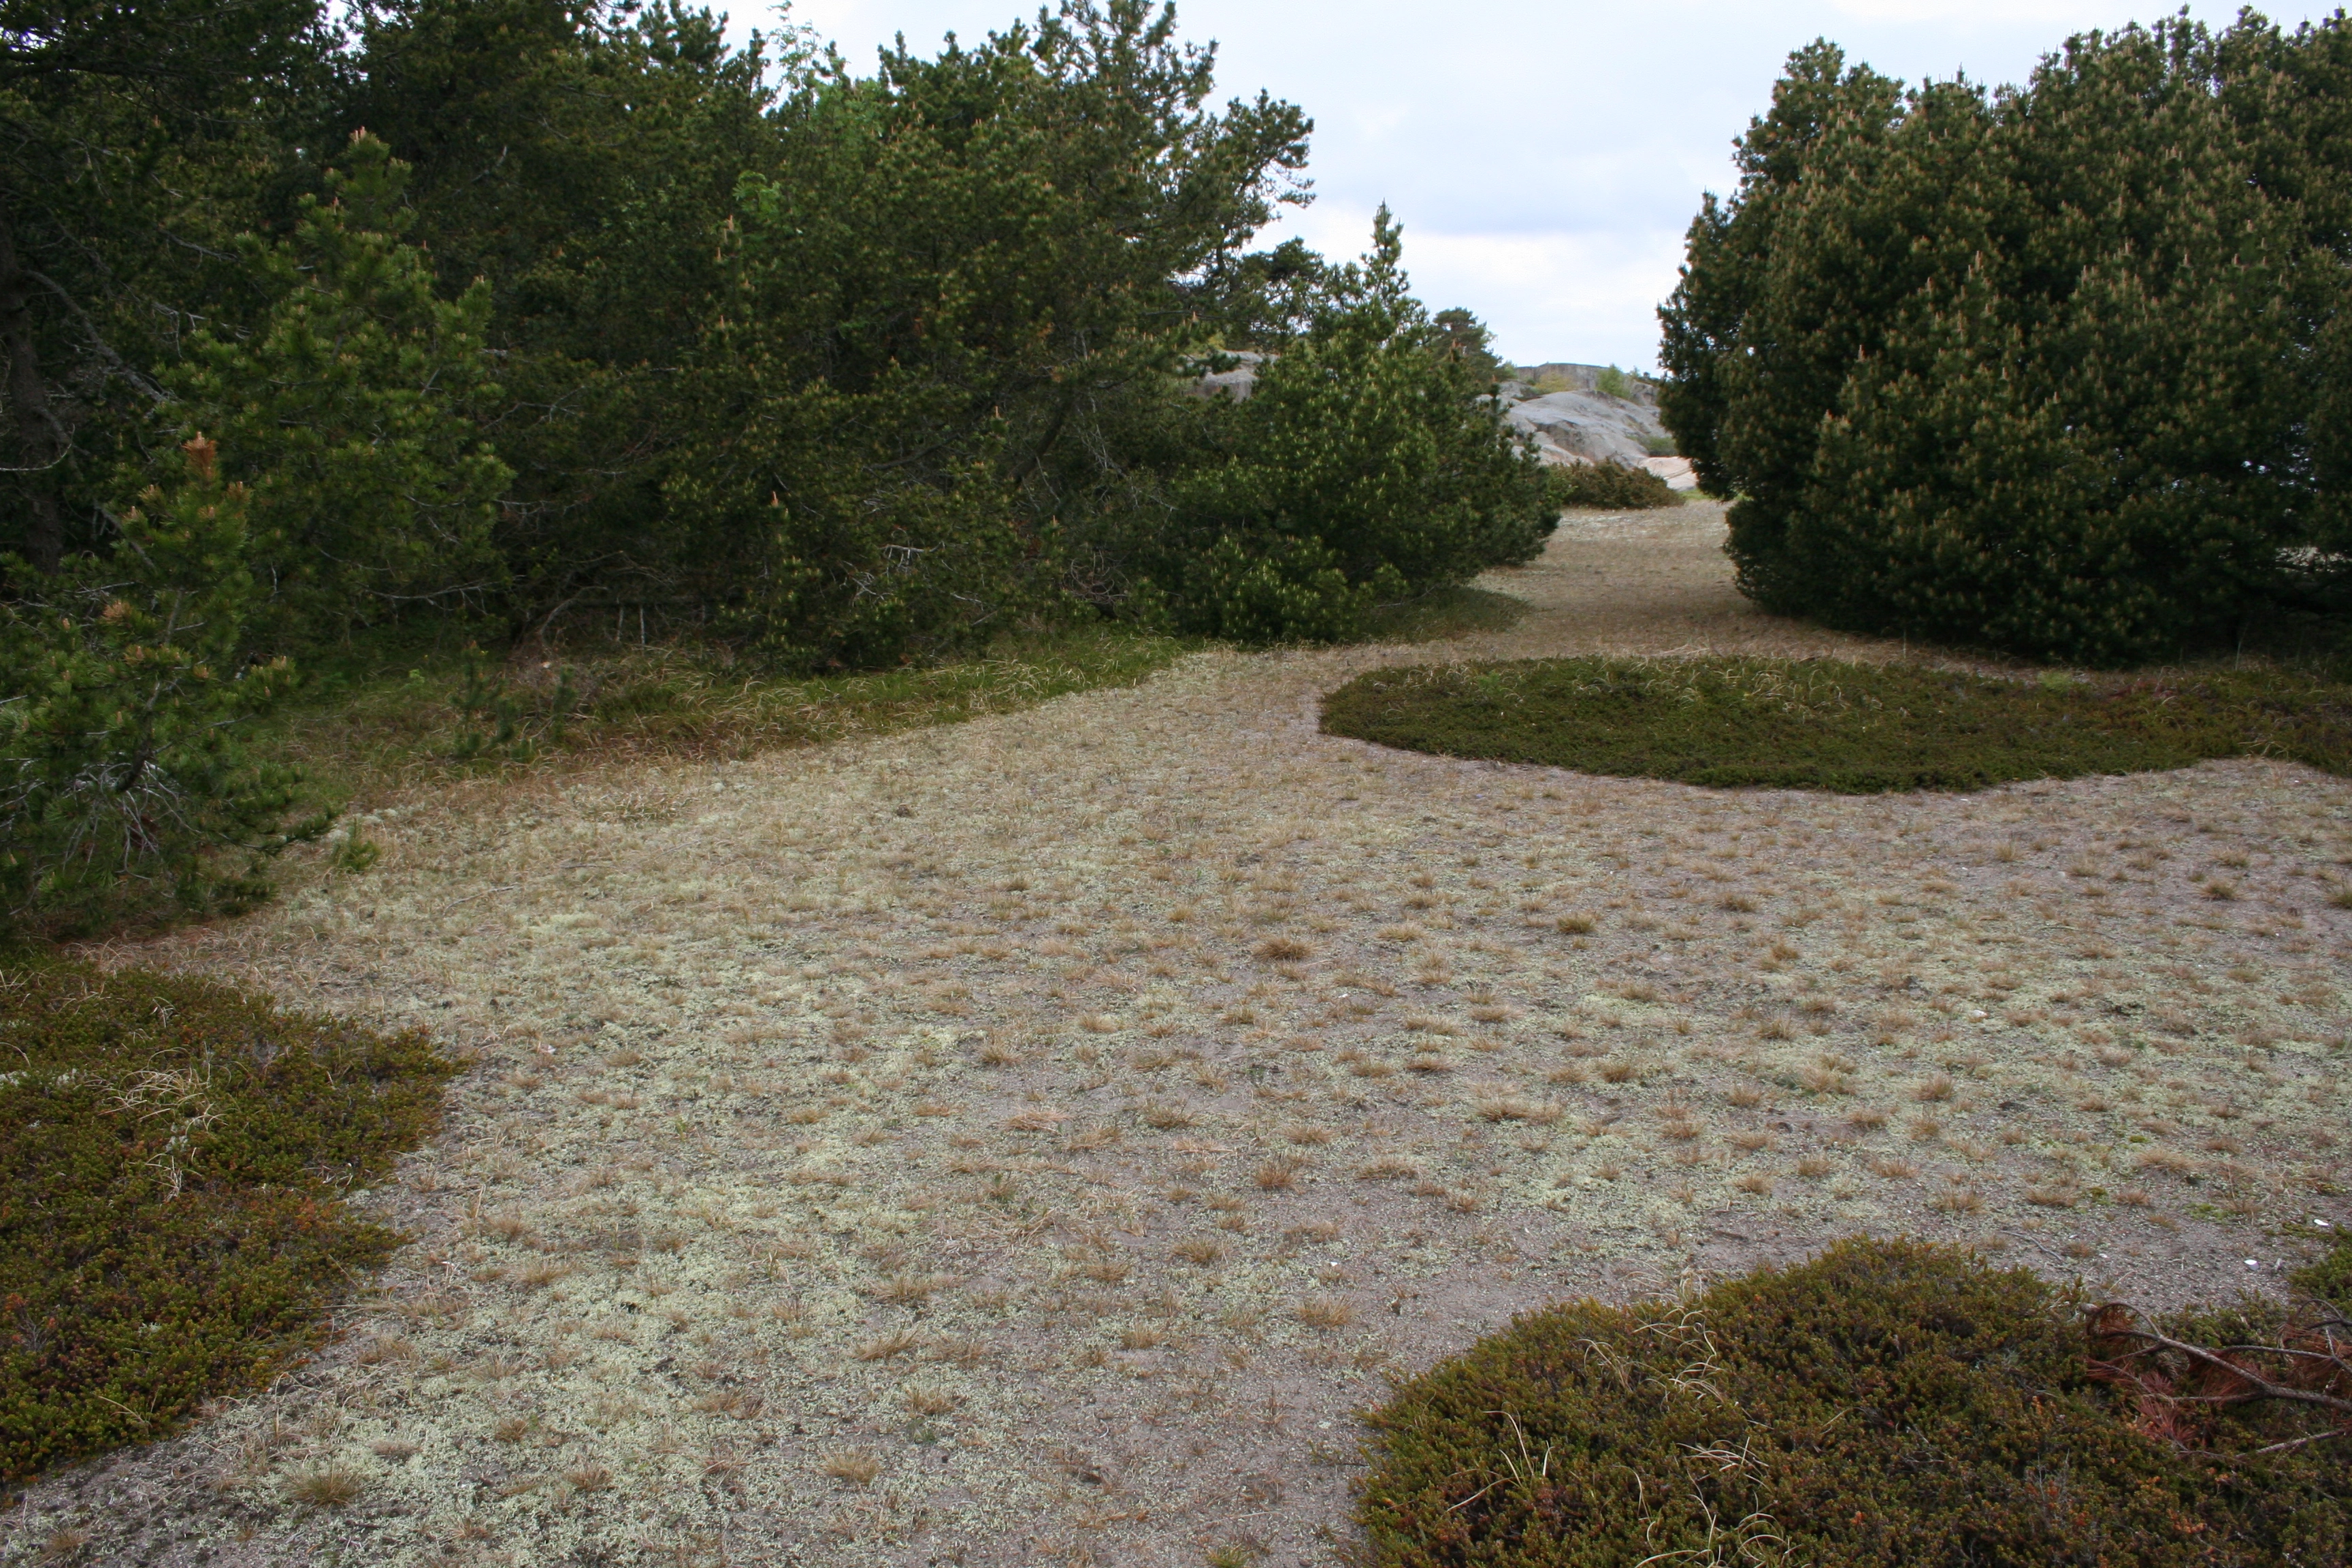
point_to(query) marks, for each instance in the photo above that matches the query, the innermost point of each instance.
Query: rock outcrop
(1585, 426)
(1579, 424)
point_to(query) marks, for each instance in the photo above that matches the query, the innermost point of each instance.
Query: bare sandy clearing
(1028, 1141)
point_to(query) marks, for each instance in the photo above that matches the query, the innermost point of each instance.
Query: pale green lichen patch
(1037, 1138)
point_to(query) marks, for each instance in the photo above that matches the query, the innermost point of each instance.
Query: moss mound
(172, 1159)
(1889, 1404)
(1829, 725)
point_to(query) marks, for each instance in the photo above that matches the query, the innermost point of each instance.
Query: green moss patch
(173, 1156)
(1829, 725)
(1888, 1403)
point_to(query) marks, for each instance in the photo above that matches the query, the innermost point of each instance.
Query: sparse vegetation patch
(1830, 725)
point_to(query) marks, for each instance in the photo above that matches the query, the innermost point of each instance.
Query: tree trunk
(38, 446)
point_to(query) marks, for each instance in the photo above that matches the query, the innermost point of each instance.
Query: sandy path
(1029, 1141)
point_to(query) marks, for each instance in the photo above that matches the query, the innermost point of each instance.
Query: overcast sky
(1543, 155)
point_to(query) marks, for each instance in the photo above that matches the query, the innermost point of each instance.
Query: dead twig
(2240, 1383)
(2172, 1376)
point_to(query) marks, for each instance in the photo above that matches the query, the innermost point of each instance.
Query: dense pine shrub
(2038, 368)
(1367, 466)
(127, 783)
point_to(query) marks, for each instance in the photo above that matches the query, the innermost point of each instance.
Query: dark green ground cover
(1889, 1405)
(173, 1156)
(1830, 725)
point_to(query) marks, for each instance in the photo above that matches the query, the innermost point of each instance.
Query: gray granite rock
(1587, 427)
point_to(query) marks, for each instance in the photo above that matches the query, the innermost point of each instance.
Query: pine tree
(2029, 369)
(125, 780)
(352, 416)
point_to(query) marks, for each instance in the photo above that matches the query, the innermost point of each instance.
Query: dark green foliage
(349, 413)
(954, 279)
(126, 784)
(136, 140)
(580, 160)
(856, 369)
(1611, 486)
(2030, 369)
(1367, 465)
(1467, 339)
(1825, 724)
(173, 1156)
(1730, 249)
(1889, 1403)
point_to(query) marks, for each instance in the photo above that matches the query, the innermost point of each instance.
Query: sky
(1544, 156)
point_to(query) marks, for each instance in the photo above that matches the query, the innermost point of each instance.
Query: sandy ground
(1029, 1141)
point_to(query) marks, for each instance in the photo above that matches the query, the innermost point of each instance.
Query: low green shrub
(392, 714)
(173, 1157)
(1887, 1403)
(1611, 486)
(1830, 725)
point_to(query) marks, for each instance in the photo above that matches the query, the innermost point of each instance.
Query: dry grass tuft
(1279, 1175)
(589, 1478)
(1326, 1312)
(857, 1468)
(325, 1485)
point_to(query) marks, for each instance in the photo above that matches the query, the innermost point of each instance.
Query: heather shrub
(1888, 1402)
(173, 1158)
(1832, 725)
(1612, 486)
